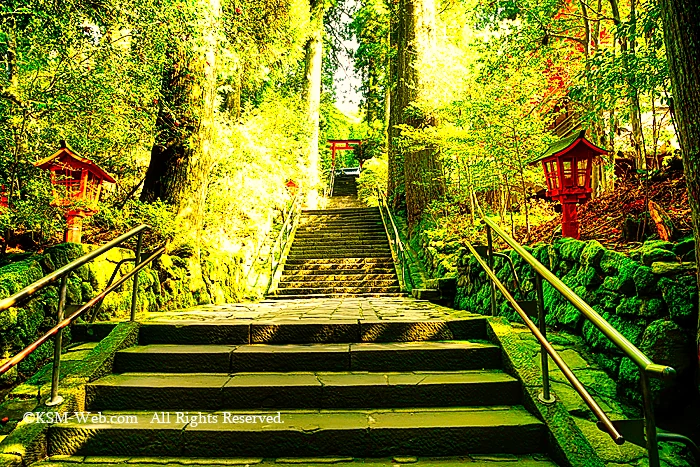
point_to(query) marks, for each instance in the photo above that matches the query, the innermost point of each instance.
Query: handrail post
(650, 423)
(58, 344)
(489, 239)
(135, 290)
(544, 396)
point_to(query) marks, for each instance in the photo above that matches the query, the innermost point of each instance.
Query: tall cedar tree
(181, 158)
(682, 37)
(417, 170)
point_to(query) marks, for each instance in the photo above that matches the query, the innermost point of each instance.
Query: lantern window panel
(92, 191)
(567, 173)
(67, 181)
(552, 175)
(581, 171)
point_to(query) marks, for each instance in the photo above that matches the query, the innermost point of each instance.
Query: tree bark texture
(421, 174)
(313, 69)
(682, 39)
(181, 157)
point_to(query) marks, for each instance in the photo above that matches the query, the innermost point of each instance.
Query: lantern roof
(66, 157)
(561, 147)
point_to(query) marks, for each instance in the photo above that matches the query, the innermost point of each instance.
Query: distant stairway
(339, 252)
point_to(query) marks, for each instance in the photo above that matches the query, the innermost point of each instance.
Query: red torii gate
(342, 145)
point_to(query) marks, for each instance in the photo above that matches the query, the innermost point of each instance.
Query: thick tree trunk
(421, 174)
(682, 38)
(181, 157)
(313, 67)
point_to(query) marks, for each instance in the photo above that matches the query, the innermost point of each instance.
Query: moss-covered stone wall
(650, 296)
(166, 285)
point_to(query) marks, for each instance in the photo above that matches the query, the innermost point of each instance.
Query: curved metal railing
(646, 366)
(61, 275)
(276, 255)
(399, 251)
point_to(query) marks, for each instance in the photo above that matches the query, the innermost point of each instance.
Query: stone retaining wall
(166, 285)
(649, 296)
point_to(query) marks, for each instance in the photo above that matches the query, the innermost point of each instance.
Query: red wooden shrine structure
(568, 165)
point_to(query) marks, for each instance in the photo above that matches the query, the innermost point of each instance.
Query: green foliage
(372, 178)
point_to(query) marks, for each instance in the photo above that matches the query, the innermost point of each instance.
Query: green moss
(631, 330)
(570, 248)
(645, 282)
(592, 254)
(588, 276)
(623, 282)
(681, 301)
(611, 261)
(635, 307)
(657, 255)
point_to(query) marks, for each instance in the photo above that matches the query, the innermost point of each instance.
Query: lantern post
(568, 165)
(77, 183)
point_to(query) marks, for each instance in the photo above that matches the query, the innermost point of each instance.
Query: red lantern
(568, 165)
(77, 183)
(3, 198)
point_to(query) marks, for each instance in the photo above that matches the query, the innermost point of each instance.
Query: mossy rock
(570, 249)
(681, 300)
(606, 299)
(59, 255)
(592, 254)
(611, 262)
(657, 255)
(645, 281)
(623, 282)
(588, 276)
(14, 277)
(635, 307)
(631, 330)
(684, 247)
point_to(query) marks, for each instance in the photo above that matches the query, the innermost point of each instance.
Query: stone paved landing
(368, 309)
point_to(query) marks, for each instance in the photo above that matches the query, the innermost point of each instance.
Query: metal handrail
(646, 366)
(282, 240)
(62, 275)
(397, 246)
(547, 347)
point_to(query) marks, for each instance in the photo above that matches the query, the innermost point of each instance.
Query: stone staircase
(308, 393)
(339, 253)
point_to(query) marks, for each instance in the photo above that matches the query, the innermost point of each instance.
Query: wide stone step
(310, 331)
(349, 230)
(338, 236)
(295, 390)
(304, 433)
(342, 220)
(325, 243)
(341, 211)
(476, 460)
(339, 265)
(352, 254)
(389, 356)
(338, 290)
(337, 295)
(321, 282)
(333, 276)
(359, 251)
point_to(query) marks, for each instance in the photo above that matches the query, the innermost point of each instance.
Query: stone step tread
(316, 284)
(334, 276)
(317, 420)
(379, 256)
(340, 211)
(335, 290)
(360, 356)
(297, 379)
(337, 295)
(344, 249)
(473, 461)
(342, 269)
